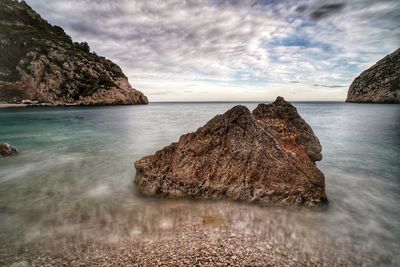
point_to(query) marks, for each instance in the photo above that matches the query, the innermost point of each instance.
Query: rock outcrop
(7, 150)
(378, 84)
(40, 62)
(267, 156)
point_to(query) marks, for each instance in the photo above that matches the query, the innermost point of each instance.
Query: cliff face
(267, 157)
(378, 84)
(40, 62)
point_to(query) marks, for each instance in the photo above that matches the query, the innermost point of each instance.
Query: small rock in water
(265, 156)
(7, 150)
(213, 220)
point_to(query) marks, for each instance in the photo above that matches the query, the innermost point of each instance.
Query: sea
(72, 181)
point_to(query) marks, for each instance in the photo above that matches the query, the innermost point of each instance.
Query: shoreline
(17, 106)
(203, 242)
(47, 105)
(9, 105)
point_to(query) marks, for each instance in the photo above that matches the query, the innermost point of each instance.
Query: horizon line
(243, 101)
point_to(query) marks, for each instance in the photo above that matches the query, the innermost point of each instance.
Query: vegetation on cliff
(378, 84)
(40, 62)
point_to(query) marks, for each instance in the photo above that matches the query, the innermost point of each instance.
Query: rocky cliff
(267, 156)
(40, 62)
(378, 84)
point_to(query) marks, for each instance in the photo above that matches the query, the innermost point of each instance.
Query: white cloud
(233, 50)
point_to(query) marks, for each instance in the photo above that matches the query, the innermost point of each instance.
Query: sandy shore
(8, 105)
(209, 242)
(194, 246)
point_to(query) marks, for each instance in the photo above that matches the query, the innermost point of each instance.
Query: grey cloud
(326, 10)
(203, 40)
(161, 93)
(81, 28)
(329, 86)
(301, 8)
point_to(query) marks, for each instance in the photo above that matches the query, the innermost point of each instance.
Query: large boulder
(267, 156)
(7, 150)
(378, 84)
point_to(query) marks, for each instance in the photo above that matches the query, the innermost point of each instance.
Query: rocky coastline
(378, 84)
(45, 105)
(41, 64)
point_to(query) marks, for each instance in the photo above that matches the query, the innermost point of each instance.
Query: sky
(238, 50)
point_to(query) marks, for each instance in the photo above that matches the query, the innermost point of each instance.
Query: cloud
(169, 47)
(329, 86)
(326, 10)
(301, 8)
(160, 93)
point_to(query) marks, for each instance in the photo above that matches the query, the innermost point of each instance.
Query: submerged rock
(378, 84)
(267, 156)
(7, 150)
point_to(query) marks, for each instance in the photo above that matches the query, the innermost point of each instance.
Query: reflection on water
(72, 181)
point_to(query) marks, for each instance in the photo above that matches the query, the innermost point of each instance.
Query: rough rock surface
(378, 84)
(267, 156)
(40, 62)
(7, 150)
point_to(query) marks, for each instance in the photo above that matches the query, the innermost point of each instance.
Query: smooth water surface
(73, 178)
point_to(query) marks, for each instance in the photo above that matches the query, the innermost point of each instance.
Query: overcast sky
(197, 50)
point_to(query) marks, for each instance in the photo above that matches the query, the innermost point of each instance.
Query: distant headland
(378, 84)
(41, 65)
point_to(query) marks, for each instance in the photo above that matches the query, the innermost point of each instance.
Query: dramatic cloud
(233, 50)
(326, 10)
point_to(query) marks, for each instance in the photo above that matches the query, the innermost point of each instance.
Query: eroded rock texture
(267, 156)
(40, 62)
(378, 84)
(7, 150)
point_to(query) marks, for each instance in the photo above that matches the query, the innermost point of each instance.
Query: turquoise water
(72, 180)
